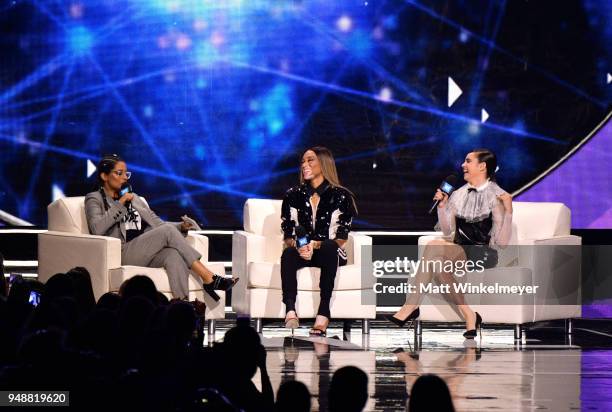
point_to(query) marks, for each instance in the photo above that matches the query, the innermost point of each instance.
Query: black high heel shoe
(413, 315)
(472, 333)
(219, 283)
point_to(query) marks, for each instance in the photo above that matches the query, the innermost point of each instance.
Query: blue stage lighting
(80, 39)
(212, 101)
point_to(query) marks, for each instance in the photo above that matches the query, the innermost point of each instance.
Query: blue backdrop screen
(212, 102)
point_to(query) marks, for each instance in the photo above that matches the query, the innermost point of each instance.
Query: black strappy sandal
(219, 283)
(317, 332)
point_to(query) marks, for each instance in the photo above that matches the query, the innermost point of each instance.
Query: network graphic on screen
(212, 103)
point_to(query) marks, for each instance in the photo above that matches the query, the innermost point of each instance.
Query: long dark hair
(328, 168)
(489, 158)
(105, 165)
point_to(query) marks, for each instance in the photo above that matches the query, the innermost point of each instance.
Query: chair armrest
(356, 241)
(424, 240)
(199, 243)
(559, 240)
(531, 252)
(59, 252)
(556, 263)
(246, 247)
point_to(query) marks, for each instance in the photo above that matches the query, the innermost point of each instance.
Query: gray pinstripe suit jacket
(110, 222)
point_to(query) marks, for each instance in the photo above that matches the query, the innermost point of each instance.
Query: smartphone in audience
(34, 298)
(15, 278)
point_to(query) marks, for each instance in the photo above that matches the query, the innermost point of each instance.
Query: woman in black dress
(476, 219)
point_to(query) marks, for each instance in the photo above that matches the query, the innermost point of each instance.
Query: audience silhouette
(292, 396)
(348, 391)
(136, 350)
(430, 393)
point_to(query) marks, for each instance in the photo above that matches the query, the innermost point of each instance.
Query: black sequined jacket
(335, 212)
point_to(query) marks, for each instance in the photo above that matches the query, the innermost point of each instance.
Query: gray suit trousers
(163, 246)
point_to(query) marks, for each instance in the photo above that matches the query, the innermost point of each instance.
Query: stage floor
(546, 371)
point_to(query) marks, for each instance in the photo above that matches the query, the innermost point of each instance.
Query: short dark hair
(489, 158)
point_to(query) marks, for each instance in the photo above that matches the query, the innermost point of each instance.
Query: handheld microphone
(125, 188)
(447, 186)
(301, 237)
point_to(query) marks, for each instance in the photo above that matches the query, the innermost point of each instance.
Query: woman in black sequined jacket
(325, 210)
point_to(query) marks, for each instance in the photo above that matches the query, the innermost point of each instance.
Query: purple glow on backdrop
(583, 183)
(594, 383)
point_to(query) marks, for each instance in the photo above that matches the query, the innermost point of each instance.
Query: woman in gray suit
(146, 240)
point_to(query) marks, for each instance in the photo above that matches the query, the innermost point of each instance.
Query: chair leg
(365, 341)
(418, 329)
(569, 326)
(212, 327)
(346, 326)
(418, 334)
(259, 325)
(366, 327)
(518, 332)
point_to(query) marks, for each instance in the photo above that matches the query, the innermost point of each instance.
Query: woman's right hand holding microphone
(441, 197)
(126, 198)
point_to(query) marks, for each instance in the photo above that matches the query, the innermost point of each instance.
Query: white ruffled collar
(475, 206)
(481, 187)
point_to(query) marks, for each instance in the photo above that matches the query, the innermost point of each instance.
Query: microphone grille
(451, 180)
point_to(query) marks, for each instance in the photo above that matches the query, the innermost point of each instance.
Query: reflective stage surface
(546, 371)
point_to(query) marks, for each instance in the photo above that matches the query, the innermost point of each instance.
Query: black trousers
(326, 258)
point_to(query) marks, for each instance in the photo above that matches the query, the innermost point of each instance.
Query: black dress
(474, 238)
(477, 221)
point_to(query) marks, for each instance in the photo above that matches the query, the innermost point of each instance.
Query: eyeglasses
(121, 172)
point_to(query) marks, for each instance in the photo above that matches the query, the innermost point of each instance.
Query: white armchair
(68, 243)
(256, 252)
(526, 262)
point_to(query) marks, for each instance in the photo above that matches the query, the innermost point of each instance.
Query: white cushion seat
(256, 253)
(529, 259)
(267, 275)
(68, 243)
